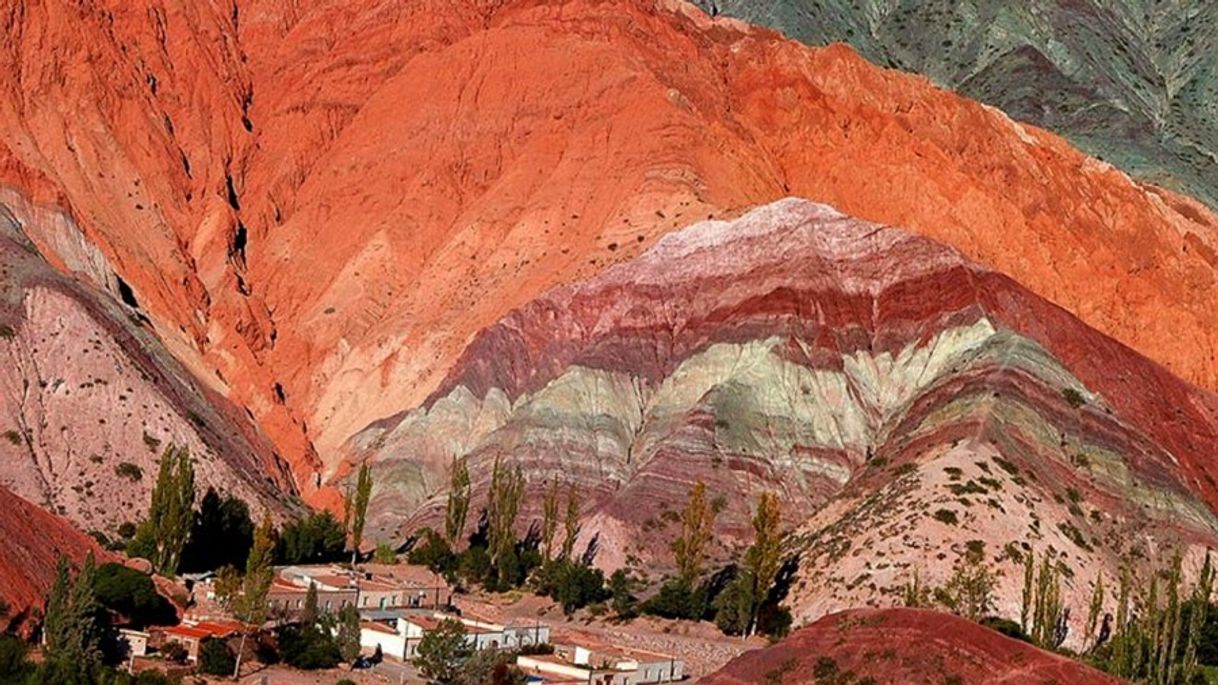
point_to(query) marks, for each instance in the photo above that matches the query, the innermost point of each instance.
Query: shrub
(215, 658)
(677, 599)
(129, 471)
(316, 538)
(174, 651)
(384, 554)
(947, 516)
(132, 594)
(571, 584)
(1073, 397)
(13, 662)
(13, 437)
(433, 551)
(308, 647)
(1006, 627)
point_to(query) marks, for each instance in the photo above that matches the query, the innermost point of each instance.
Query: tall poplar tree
(549, 520)
(457, 508)
(70, 624)
(163, 534)
(570, 523)
(359, 513)
(503, 507)
(247, 599)
(696, 523)
(765, 555)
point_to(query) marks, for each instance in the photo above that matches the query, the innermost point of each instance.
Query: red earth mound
(320, 204)
(902, 646)
(31, 541)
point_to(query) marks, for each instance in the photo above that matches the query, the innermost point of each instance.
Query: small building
(288, 599)
(134, 642)
(398, 633)
(603, 665)
(191, 635)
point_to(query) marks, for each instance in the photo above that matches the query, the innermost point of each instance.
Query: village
(398, 606)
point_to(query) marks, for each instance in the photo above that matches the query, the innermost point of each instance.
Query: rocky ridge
(253, 180)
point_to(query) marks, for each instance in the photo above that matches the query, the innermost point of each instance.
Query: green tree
(734, 605)
(162, 536)
(316, 538)
(1198, 616)
(457, 507)
(570, 523)
(14, 663)
(1094, 609)
(348, 633)
(359, 513)
(970, 590)
(221, 534)
(621, 591)
(311, 611)
(1047, 609)
(215, 658)
(132, 595)
(432, 550)
(490, 667)
(915, 594)
(71, 625)
(442, 652)
(549, 520)
(763, 558)
(1029, 591)
(503, 507)
(572, 584)
(245, 596)
(697, 521)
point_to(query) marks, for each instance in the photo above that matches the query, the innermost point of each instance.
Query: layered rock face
(1133, 83)
(31, 542)
(906, 646)
(901, 399)
(89, 399)
(318, 206)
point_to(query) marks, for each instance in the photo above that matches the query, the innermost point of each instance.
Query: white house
(398, 634)
(602, 665)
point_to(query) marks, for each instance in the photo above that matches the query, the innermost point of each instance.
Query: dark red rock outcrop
(898, 646)
(31, 542)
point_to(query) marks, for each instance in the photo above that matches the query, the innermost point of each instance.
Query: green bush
(572, 585)
(677, 599)
(316, 538)
(174, 651)
(14, 664)
(215, 658)
(308, 647)
(132, 594)
(129, 471)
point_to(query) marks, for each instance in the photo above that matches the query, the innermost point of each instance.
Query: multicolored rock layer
(869, 376)
(319, 206)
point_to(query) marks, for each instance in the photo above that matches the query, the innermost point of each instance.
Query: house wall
(391, 645)
(659, 672)
(372, 599)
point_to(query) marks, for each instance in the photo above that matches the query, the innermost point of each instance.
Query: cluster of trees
(80, 645)
(176, 538)
(494, 557)
(444, 656)
(742, 598)
(1161, 634)
(320, 640)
